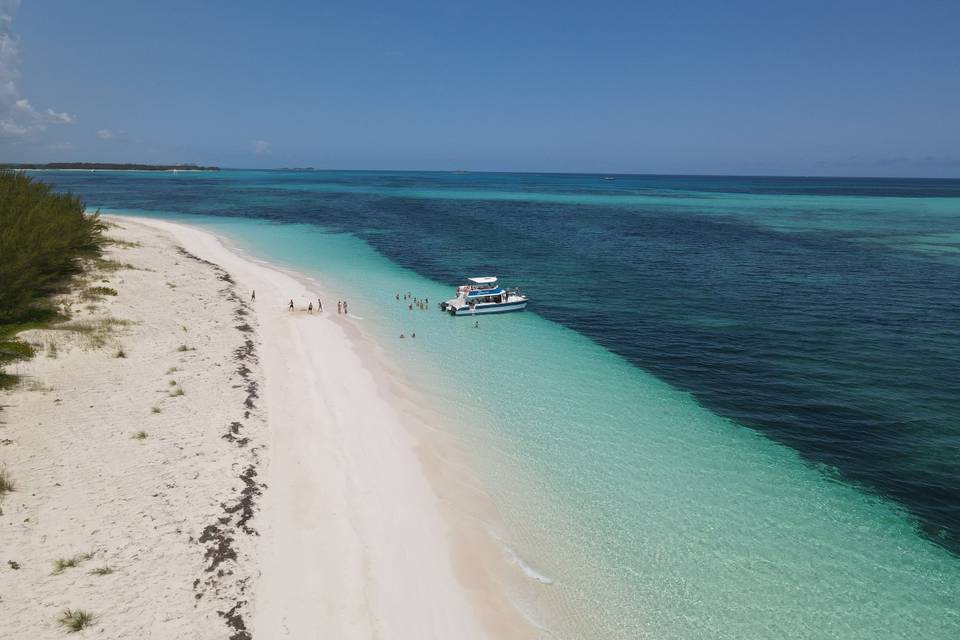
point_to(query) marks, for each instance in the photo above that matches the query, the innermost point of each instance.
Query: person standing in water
(345, 306)
(339, 307)
(310, 308)
(253, 296)
(476, 325)
(290, 306)
(319, 305)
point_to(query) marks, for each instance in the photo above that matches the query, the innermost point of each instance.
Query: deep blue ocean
(821, 313)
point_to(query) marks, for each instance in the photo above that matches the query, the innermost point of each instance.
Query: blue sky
(813, 88)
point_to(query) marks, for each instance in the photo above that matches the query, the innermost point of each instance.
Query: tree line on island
(109, 166)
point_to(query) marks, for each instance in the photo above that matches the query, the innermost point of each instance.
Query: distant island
(110, 166)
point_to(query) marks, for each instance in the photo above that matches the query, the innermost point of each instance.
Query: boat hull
(487, 309)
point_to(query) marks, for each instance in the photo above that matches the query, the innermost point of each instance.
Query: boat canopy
(476, 293)
(483, 280)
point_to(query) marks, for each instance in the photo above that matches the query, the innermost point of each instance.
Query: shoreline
(443, 554)
(305, 488)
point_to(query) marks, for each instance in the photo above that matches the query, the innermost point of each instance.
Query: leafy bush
(44, 239)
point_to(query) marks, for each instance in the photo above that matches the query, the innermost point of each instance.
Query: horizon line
(528, 172)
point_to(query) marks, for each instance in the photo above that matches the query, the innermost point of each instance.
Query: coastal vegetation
(99, 292)
(6, 482)
(74, 620)
(62, 564)
(108, 166)
(95, 333)
(45, 240)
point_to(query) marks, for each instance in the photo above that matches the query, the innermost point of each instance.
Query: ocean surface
(732, 409)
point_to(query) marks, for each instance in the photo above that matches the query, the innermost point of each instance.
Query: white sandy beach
(282, 489)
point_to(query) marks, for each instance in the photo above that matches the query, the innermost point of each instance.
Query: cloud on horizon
(17, 116)
(105, 134)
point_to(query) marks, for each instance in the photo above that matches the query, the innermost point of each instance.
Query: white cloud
(17, 116)
(9, 128)
(59, 117)
(261, 147)
(104, 134)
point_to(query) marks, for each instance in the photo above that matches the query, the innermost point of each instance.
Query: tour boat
(484, 295)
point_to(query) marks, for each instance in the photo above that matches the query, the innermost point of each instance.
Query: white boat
(484, 295)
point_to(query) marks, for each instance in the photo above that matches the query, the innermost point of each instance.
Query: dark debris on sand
(239, 509)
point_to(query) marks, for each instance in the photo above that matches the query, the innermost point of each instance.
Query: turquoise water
(733, 411)
(650, 516)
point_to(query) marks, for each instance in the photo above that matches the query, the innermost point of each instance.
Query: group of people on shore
(341, 305)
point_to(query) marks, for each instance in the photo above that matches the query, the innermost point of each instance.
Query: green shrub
(45, 237)
(6, 482)
(61, 564)
(106, 264)
(12, 350)
(96, 292)
(74, 620)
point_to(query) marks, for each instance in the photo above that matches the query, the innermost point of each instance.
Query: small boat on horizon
(484, 295)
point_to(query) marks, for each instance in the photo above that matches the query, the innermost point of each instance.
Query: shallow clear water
(735, 412)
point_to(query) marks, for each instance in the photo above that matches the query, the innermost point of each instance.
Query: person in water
(476, 325)
(310, 308)
(253, 296)
(339, 307)
(402, 336)
(319, 305)
(413, 335)
(345, 306)
(290, 306)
